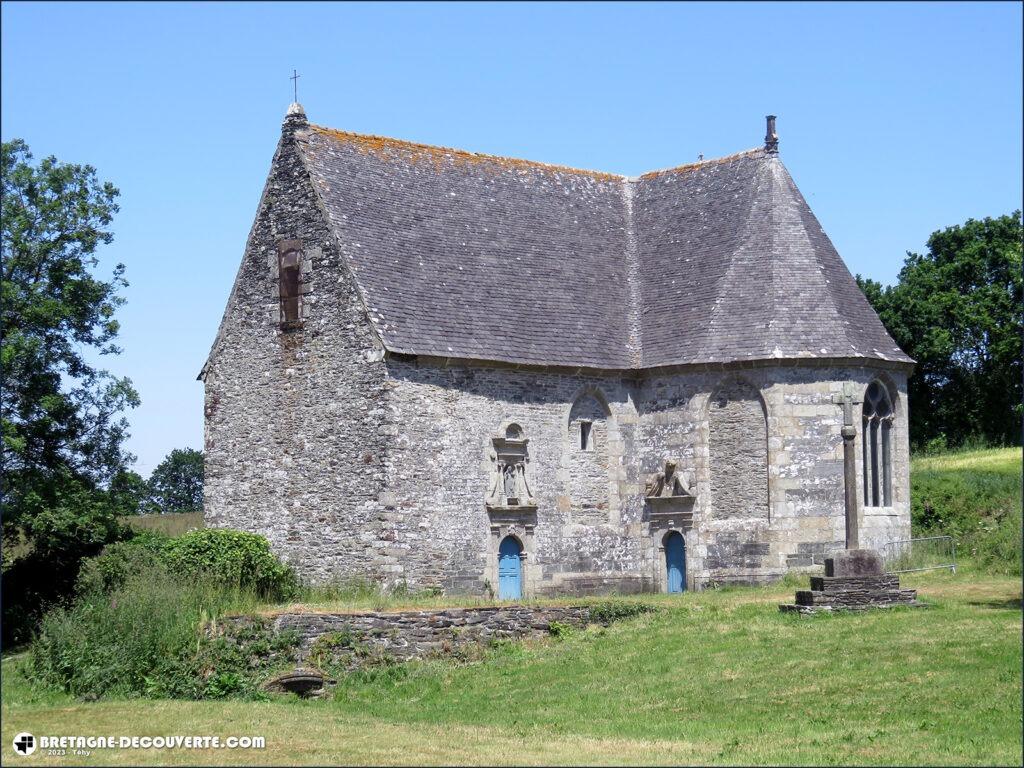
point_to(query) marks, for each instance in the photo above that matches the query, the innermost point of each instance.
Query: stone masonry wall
(738, 446)
(404, 635)
(295, 433)
(805, 465)
(588, 489)
(438, 472)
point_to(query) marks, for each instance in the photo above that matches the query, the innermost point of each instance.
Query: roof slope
(472, 256)
(467, 256)
(736, 267)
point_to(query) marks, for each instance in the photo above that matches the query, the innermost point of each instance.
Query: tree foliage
(176, 484)
(129, 494)
(62, 421)
(61, 416)
(957, 311)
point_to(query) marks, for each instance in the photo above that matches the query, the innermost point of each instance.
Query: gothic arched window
(877, 444)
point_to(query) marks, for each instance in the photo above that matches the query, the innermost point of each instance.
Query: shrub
(138, 625)
(607, 612)
(109, 570)
(112, 642)
(149, 636)
(56, 537)
(560, 630)
(231, 664)
(233, 558)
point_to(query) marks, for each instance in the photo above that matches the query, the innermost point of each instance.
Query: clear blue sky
(895, 120)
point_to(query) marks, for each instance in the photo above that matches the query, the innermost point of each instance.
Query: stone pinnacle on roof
(771, 138)
(295, 116)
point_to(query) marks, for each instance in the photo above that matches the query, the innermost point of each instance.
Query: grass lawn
(715, 677)
(998, 460)
(173, 523)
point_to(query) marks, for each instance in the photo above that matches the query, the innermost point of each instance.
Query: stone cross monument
(855, 578)
(849, 431)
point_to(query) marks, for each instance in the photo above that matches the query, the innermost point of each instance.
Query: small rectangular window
(585, 436)
(288, 287)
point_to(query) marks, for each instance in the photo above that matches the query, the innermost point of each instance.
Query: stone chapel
(501, 377)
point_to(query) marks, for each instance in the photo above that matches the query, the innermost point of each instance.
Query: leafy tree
(957, 311)
(61, 416)
(176, 484)
(129, 493)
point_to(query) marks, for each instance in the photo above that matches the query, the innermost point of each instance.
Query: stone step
(856, 597)
(839, 583)
(812, 609)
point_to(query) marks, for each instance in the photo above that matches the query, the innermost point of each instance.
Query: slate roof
(474, 256)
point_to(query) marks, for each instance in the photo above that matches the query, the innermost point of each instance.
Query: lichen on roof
(384, 146)
(525, 263)
(704, 163)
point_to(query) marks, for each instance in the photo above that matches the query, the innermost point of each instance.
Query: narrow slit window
(586, 435)
(876, 437)
(288, 287)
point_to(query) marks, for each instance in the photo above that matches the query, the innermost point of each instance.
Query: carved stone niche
(670, 498)
(509, 497)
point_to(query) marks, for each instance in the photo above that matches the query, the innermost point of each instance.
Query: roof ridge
(783, 191)
(701, 163)
(374, 142)
(846, 329)
(773, 240)
(634, 311)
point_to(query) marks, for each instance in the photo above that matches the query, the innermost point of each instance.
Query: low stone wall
(404, 635)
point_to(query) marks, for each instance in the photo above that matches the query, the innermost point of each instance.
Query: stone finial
(295, 116)
(771, 139)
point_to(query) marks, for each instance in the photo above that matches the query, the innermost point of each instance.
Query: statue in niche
(509, 473)
(508, 486)
(671, 482)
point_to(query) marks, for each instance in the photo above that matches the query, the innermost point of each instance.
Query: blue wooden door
(675, 561)
(510, 570)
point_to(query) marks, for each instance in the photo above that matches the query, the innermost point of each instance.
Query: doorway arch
(675, 562)
(510, 569)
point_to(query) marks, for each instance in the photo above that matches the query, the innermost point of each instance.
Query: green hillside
(974, 496)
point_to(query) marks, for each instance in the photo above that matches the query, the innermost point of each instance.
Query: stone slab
(856, 597)
(806, 610)
(861, 583)
(854, 562)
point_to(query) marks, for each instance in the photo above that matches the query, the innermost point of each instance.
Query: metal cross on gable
(295, 84)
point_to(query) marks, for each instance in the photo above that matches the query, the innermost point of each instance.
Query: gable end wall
(296, 422)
